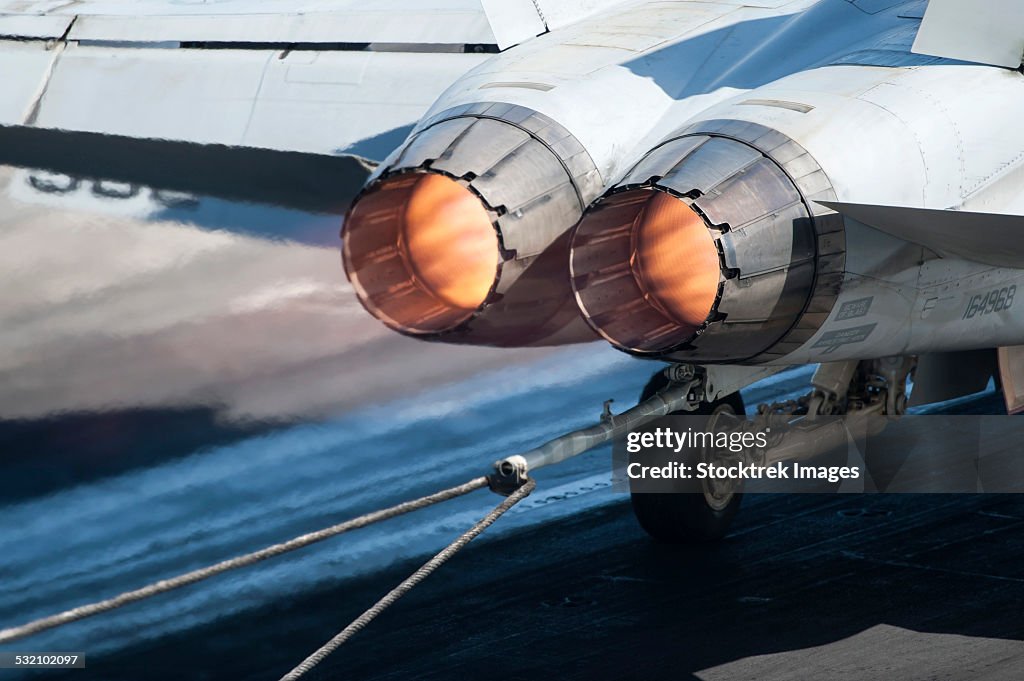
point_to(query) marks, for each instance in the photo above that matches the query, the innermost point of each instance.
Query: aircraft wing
(293, 92)
(989, 238)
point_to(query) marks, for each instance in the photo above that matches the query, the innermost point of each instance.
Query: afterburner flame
(421, 251)
(645, 270)
(675, 260)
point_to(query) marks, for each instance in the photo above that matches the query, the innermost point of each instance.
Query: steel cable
(407, 585)
(194, 576)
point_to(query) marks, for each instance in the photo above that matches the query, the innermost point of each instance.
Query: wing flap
(989, 238)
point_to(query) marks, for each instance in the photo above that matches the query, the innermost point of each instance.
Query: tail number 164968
(993, 301)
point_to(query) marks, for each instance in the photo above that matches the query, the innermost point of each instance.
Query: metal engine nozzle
(711, 249)
(463, 236)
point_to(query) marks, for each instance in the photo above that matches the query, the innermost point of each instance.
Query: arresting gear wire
(299, 542)
(407, 585)
(510, 479)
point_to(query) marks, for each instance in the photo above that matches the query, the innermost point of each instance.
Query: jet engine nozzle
(711, 249)
(646, 269)
(421, 251)
(462, 236)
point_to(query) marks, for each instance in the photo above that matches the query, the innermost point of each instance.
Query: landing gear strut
(854, 389)
(690, 517)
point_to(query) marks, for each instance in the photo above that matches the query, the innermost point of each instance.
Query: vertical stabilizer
(989, 32)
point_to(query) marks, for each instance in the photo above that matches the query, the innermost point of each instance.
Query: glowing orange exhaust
(645, 270)
(421, 252)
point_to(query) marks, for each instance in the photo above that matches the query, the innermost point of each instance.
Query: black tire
(683, 518)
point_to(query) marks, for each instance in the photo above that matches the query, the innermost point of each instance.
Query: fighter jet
(728, 187)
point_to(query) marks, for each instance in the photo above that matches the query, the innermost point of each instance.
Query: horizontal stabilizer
(990, 238)
(338, 23)
(989, 32)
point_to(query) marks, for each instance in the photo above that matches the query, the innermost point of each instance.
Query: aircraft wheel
(689, 517)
